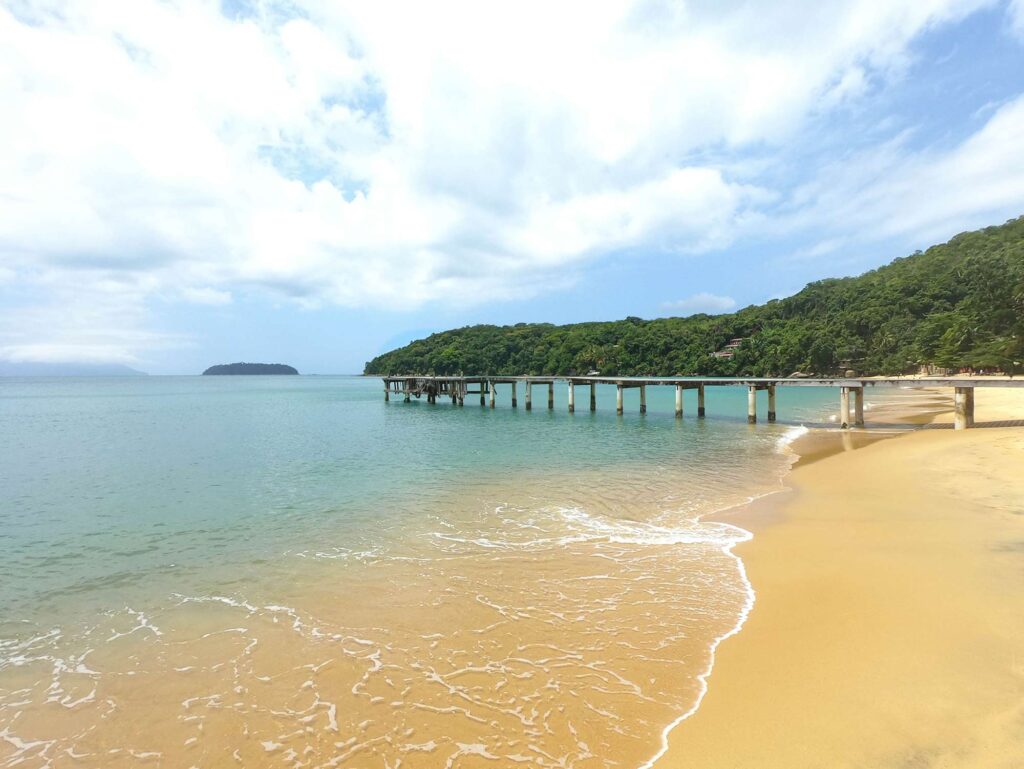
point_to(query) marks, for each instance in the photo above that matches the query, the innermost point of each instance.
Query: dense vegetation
(249, 368)
(957, 305)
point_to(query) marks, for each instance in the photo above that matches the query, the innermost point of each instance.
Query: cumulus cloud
(702, 302)
(330, 153)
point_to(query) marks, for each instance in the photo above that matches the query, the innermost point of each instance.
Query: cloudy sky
(188, 182)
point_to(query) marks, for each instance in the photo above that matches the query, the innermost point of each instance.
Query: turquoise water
(129, 497)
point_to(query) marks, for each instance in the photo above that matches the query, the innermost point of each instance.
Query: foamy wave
(561, 526)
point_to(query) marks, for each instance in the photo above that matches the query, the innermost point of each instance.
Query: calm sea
(288, 571)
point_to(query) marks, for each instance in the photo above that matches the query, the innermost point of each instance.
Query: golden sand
(889, 624)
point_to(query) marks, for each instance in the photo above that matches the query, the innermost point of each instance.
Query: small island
(229, 369)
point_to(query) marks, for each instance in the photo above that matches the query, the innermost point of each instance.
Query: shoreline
(745, 671)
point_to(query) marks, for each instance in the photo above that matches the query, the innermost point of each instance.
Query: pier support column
(572, 397)
(751, 405)
(643, 399)
(529, 396)
(483, 393)
(963, 400)
(844, 408)
(387, 391)
(679, 400)
(700, 400)
(593, 397)
(490, 390)
(515, 403)
(771, 403)
(551, 395)
(408, 389)
(618, 399)
(858, 406)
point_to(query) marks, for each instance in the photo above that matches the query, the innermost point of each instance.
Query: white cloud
(702, 302)
(923, 195)
(359, 154)
(1015, 11)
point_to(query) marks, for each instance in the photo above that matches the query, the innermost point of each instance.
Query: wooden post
(490, 388)
(618, 399)
(858, 406)
(643, 399)
(387, 391)
(963, 400)
(700, 400)
(408, 393)
(551, 395)
(751, 404)
(771, 403)
(483, 393)
(593, 397)
(572, 397)
(679, 400)
(529, 396)
(844, 408)
(515, 403)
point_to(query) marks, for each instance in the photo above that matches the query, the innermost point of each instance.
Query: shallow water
(291, 572)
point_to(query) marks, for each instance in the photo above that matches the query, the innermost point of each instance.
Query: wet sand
(888, 629)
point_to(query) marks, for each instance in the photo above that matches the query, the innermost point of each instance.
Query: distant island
(956, 306)
(263, 369)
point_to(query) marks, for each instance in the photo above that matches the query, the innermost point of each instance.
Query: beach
(888, 628)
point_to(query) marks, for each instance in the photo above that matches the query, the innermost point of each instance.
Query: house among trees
(730, 349)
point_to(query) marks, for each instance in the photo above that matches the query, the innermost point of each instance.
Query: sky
(314, 182)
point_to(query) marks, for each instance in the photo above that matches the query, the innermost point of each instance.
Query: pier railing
(458, 387)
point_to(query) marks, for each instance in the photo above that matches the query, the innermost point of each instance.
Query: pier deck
(458, 387)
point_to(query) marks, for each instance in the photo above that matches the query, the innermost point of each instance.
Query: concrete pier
(457, 387)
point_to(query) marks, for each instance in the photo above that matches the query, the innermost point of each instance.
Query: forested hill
(960, 304)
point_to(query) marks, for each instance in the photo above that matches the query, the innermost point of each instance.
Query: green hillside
(960, 304)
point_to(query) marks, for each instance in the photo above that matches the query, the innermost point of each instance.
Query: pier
(851, 391)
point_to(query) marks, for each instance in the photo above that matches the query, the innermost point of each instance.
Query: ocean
(288, 571)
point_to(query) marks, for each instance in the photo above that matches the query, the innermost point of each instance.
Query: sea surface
(290, 572)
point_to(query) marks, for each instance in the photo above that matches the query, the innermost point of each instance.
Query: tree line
(957, 305)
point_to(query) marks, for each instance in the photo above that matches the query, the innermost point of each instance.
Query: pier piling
(643, 399)
(618, 399)
(771, 403)
(529, 396)
(844, 408)
(514, 402)
(700, 400)
(858, 406)
(572, 397)
(593, 397)
(679, 400)
(491, 387)
(752, 404)
(551, 395)
(963, 403)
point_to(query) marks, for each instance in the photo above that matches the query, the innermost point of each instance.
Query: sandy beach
(888, 629)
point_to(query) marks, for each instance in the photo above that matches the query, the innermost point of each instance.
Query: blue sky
(186, 183)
